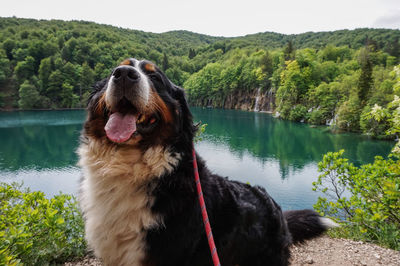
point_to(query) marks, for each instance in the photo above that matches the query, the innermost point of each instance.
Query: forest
(347, 78)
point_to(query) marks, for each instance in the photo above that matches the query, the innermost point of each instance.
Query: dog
(138, 193)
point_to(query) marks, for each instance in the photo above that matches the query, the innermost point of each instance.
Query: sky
(216, 17)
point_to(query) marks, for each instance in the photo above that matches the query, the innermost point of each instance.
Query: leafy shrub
(349, 115)
(35, 230)
(201, 128)
(382, 122)
(297, 113)
(318, 117)
(366, 199)
(374, 121)
(284, 111)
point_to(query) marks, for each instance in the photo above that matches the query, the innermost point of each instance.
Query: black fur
(248, 225)
(304, 225)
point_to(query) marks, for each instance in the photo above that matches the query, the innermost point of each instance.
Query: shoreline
(272, 113)
(328, 127)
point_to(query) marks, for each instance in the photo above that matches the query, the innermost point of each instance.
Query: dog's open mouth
(125, 122)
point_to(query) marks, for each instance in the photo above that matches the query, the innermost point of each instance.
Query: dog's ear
(97, 87)
(179, 95)
(184, 113)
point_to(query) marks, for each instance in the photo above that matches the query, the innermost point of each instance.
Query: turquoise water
(38, 148)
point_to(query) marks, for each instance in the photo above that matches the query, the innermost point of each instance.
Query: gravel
(323, 251)
(343, 252)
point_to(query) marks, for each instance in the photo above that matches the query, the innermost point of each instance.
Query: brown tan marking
(127, 62)
(101, 104)
(150, 67)
(159, 105)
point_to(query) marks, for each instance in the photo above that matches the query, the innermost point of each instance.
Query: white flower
(396, 101)
(378, 113)
(396, 148)
(376, 109)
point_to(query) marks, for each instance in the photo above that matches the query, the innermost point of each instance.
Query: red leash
(206, 222)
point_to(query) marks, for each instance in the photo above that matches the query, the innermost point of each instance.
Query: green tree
(267, 68)
(374, 121)
(293, 85)
(71, 75)
(155, 57)
(365, 81)
(8, 46)
(329, 70)
(393, 48)
(165, 63)
(192, 53)
(176, 75)
(365, 199)
(25, 69)
(19, 54)
(86, 80)
(45, 70)
(24, 34)
(67, 52)
(4, 68)
(100, 71)
(54, 89)
(39, 50)
(289, 51)
(349, 114)
(29, 97)
(68, 98)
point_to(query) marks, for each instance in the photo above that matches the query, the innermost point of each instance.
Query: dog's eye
(155, 77)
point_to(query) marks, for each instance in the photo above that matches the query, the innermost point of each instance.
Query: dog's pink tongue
(119, 127)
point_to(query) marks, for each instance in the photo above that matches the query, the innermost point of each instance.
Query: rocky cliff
(255, 100)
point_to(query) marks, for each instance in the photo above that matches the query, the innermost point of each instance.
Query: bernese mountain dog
(138, 193)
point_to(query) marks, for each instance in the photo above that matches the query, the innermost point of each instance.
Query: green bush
(318, 117)
(297, 113)
(365, 199)
(349, 115)
(35, 230)
(201, 128)
(284, 111)
(375, 121)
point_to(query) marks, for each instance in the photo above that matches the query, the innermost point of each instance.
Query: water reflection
(39, 139)
(49, 181)
(294, 145)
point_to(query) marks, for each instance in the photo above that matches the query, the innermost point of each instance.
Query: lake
(38, 148)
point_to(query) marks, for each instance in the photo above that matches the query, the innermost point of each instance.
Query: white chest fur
(115, 202)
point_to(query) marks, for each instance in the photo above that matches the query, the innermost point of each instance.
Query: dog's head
(138, 105)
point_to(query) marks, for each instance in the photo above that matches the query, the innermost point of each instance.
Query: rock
(309, 260)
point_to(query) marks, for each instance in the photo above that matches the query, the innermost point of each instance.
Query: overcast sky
(216, 17)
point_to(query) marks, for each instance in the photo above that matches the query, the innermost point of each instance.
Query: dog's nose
(125, 76)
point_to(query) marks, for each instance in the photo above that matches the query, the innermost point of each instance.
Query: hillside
(351, 38)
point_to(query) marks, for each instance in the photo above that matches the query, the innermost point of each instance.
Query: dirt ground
(343, 252)
(324, 251)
